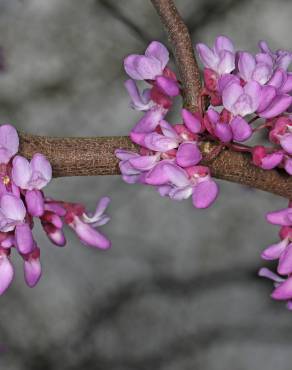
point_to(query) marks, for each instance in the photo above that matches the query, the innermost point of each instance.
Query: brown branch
(95, 156)
(181, 43)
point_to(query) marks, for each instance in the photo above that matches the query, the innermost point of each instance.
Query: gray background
(178, 290)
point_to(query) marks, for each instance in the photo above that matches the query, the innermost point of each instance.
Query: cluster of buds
(22, 199)
(243, 90)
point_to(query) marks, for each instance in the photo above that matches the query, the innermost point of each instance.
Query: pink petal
(168, 130)
(241, 129)
(205, 193)
(32, 271)
(223, 43)
(144, 163)
(24, 239)
(21, 171)
(246, 65)
(253, 89)
(90, 236)
(168, 86)
(6, 273)
(231, 94)
(158, 51)
(286, 143)
(283, 291)
(227, 62)
(271, 161)
(40, 164)
(148, 67)
(188, 154)
(278, 105)
(278, 79)
(35, 203)
(274, 251)
(176, 175)
(223, 132)
(281, 217)
(12, 207)
(9, 139)
(261, 73)
(149, 121)
(268, 93)
(207, 56)
(159, 143)
(264, 272)
(191, 121)
(285, 262)
(130, 66)
(288, 166)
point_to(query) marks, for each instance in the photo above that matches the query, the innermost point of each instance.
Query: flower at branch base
(178, 183)
(239, 100)
(264, 159)
(32, 176)
(236, 128)
(147, 66)
(282, 133)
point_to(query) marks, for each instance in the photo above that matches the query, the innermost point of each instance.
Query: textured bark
(181, 43)
(95, 156)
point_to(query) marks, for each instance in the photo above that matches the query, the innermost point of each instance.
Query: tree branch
(181, 43)
(95, 156)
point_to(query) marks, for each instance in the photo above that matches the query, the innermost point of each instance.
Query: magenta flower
(258, 68)
(140, 102)
(147, 66)
(6, 270)
(237, 129)
(35, 174)
(9, 143)
(283, 287)
(84, 225)
(179, 184)
(241, 101)
(221, 58)
(32, 267)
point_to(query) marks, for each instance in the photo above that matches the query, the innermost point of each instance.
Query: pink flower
(239, 100)
(220, 58)
(35, 174)
(6, 270)
(9, 143)
(147, 66)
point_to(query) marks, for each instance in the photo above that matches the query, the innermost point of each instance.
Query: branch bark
(95, 156)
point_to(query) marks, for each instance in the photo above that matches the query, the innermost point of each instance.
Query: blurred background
(178, 290)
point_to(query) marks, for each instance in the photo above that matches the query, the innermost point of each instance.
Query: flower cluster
(170, 154)
(281, 251)
(242, 90)
(22, 199)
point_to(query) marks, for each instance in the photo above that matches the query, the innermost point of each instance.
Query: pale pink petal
(227, 62)
(6, 273)
(285, 262)
(35, 202)
(246, 65)
(223, 43)
(130, 66)
(21, 172)
(12, 207)
(207, 56)
(168, 86)
(274, 251)
(283, 291)
(230, 95)
(24, 239)
(278, 105)
(41, 165)
(158, 51)
(32, 271)
(281, 217)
